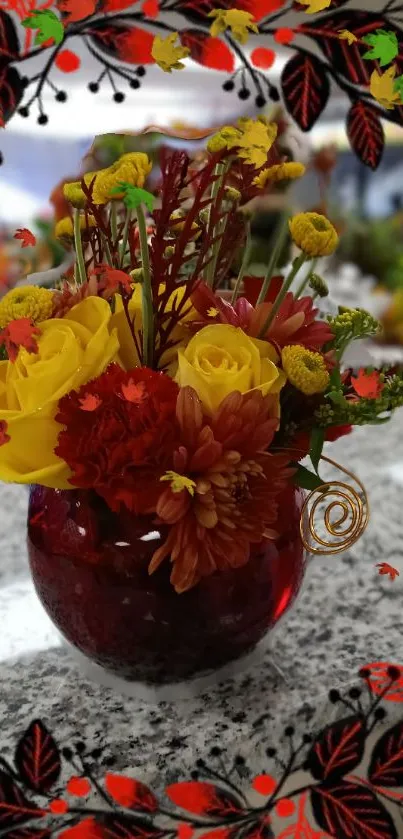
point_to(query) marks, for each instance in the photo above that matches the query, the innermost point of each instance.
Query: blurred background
(365, 206)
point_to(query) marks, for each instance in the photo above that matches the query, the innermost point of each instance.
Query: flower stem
(245, 263)
(305, 281)
(146, 292)
(114, 223)
(79, 248)
(219, 172)
(125, 237)
(298, 262)
(280, 237)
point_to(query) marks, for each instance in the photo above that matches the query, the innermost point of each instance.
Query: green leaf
(134, 196)
(336, 396)
(316, 446)
(384, 46)
(307, 480)
(399, 86)
(48, 26)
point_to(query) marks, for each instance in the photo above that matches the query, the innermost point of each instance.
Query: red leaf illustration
(2, 123)
(130, 44)
(131, 793)
(120, 827)
(201, 797)
(37, 758)
(365, 133)
(76, 9)
(25, 236)
(86, 829)
(338, 749)
(15, 808)
(11, 89)
(351, 811)
(386, 766)
(19, 333)
(207, 51)
(67, 61)
(9, 47)
(306, 89)
(378, 676)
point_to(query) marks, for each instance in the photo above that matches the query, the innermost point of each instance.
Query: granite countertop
(346, 616)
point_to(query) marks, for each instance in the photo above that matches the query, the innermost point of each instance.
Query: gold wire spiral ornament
(348, 527)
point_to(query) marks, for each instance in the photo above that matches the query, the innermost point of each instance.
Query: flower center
(319, 224)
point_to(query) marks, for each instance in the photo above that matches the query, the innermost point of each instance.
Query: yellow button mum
(279, 172)
(131, 168)
(314, 234)
(26, 302)
(64, 228)
(306, 370)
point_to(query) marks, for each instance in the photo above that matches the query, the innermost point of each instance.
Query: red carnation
(123, 445)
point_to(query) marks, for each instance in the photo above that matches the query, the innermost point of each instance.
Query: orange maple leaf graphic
(4, 437)
(19, 333)
(112, 278)
(26, 237)
(76, 9)
(134, 392)
(367, 385)
(385, 568)
(90, 402)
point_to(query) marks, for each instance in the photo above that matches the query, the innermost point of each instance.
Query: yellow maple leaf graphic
(345, 35)
(167, 55)
(382, 88)
(315, 5)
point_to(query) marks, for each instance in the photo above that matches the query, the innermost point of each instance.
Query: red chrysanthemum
(230, 487)
(120, 435)
(294, 323)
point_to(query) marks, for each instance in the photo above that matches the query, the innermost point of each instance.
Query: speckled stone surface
(345, 617)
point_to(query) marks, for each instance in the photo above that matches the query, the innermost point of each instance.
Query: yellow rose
(71, 351)
(221, 359)
(180, 334)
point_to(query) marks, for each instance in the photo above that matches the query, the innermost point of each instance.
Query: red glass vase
(90, 570)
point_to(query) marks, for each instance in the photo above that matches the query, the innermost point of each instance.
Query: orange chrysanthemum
(234, 484)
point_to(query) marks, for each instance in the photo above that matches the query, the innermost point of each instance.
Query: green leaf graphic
(399, 86)
(134, 196)
(316, 445)
(384, 45)
(48, 26)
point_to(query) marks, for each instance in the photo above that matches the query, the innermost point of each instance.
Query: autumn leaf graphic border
(54, 790)
(120, 35)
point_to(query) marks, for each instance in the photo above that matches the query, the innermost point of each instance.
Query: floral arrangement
(138, 381)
